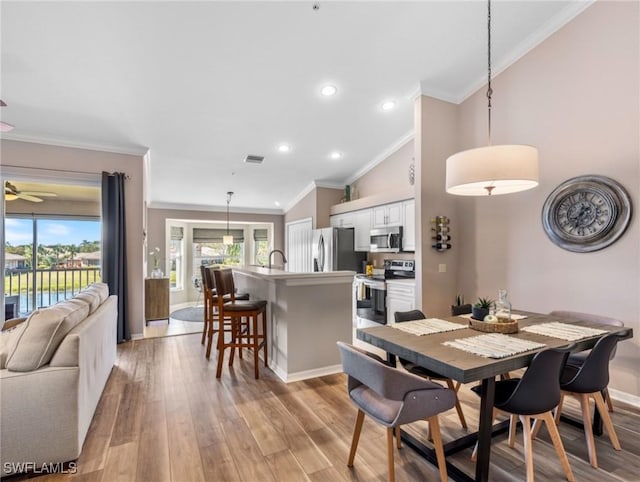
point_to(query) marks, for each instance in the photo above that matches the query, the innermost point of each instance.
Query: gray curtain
(114, 252)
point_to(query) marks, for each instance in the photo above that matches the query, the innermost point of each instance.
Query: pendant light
(227, 238)
(491, 170)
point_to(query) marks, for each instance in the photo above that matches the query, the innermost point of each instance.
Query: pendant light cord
(489, 89)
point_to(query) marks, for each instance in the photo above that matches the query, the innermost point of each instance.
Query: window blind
(208, 235)
(260, 235)
(177, 233)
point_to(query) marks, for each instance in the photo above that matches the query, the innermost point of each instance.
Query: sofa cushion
(42, 334)
(90, 297)
(8, 340)
(101, 288)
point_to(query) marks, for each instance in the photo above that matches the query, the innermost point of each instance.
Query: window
(261, 246)
(208, 248)
(176, 257)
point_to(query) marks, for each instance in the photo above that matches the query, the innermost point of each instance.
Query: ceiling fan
(4, 127)
(11, 193)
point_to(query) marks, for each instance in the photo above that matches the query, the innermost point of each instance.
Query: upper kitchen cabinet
(346, 220)
(387, 215)
(362, 221)
(409, 225)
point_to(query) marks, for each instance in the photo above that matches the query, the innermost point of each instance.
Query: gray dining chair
(402, 316)
(577, 359)
(393, 397)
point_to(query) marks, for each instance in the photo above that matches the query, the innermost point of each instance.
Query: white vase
(157, 273)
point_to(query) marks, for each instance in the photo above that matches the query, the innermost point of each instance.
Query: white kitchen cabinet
(362, 225)
(345, 220)
(409, 225)
(401, 296)
(387, 215)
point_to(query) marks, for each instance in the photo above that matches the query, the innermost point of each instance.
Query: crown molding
(307, 189)
(129, 151)
(212, 209)
(382, 156)
(566, 15)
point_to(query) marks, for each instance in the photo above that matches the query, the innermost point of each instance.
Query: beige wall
(575, 97)
(305, 208)
(61, 159)
(315, 205)
(389, 175)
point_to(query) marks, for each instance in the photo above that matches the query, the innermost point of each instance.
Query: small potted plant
(481, 308)
(460, 307)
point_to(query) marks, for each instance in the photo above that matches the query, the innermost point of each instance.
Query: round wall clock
(586, 213)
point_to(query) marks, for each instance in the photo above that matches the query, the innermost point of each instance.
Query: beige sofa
(54, 367)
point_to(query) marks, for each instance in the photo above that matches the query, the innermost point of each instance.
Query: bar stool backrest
(223, 280)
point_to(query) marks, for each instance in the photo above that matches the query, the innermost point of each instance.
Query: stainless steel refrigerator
(333, 250)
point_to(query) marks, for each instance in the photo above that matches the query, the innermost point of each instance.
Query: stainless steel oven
(369, 301)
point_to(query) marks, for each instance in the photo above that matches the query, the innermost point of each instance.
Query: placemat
(564, 331)
(428, 326)
(494, 345)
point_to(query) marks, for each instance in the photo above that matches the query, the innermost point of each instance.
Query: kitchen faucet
(284, 258)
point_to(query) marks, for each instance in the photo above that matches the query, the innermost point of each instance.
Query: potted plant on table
(460, 307)
(481, 308)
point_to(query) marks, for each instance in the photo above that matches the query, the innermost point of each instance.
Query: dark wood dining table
(428, 351)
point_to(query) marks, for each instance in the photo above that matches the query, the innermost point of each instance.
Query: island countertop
(280, 274)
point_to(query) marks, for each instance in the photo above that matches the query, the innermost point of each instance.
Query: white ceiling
(203, 84)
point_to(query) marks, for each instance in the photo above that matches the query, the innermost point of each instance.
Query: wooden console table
(156, 299)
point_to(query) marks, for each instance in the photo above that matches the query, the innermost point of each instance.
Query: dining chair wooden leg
(205, 310)
(559, 409)
(607, 398)
(220, 353)
(390, 463)
(588, 431)
(528, 450)
(463, 422)
(398, 439)
(536, 427)
(434, 425)
(606, 420)
(513, 425)
(264, 339)
(356, 437)
(210, 333)
(256, 345)
(557, 443)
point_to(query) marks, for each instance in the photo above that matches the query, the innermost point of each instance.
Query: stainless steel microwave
(386, 240)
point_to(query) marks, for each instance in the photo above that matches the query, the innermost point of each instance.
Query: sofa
(53, 368)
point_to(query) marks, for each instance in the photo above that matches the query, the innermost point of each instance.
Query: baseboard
(137, 336)
(624, 397)
(304, 375)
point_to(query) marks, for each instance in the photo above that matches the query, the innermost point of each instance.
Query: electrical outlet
(442, 268)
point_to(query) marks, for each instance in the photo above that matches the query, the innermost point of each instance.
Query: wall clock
(586, 213)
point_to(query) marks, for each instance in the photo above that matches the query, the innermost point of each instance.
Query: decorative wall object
(440, 233)
(586, 213)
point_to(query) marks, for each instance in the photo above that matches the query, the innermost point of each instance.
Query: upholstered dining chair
(577, 359)
(392, 398)
(249, 334)
(587, 381)
(533, 397)
(401, 316)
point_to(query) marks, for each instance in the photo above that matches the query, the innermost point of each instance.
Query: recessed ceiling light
(277, 203)
(388, 104)
(335, 155)
(328, 90)
(284, 147)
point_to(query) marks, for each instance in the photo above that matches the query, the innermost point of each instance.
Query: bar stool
(249, 336)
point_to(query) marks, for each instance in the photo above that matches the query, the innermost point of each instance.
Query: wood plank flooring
(164, 417)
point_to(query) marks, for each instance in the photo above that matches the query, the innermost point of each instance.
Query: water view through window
(49, 259)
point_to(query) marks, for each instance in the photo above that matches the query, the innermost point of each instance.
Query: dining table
(440, 351)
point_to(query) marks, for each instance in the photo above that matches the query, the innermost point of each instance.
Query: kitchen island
(307, 313)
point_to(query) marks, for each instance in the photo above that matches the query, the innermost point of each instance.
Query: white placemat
(494, 345)
(428, 326)
(563, 331)
(514, 316)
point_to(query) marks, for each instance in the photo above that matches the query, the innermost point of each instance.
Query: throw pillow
(42, 334)
(8, 340)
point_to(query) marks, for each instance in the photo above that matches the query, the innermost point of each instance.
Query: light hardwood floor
(164, 417)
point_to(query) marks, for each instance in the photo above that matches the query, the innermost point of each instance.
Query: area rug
(193, 313)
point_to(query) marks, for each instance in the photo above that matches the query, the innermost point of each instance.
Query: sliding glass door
(48, 258)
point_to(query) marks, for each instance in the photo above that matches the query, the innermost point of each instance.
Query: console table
(156, 299)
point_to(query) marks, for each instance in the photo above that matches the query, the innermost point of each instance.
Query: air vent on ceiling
(251, 159)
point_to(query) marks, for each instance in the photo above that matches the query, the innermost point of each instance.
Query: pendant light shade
(227, 238)
(492, 170)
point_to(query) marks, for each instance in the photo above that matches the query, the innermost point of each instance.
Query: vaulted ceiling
(204, 84)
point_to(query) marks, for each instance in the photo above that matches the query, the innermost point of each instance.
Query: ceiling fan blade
(39, 194)
(5, 127)
(2, 103)
(27, 197)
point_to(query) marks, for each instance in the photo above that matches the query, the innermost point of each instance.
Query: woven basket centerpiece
(508, 327)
